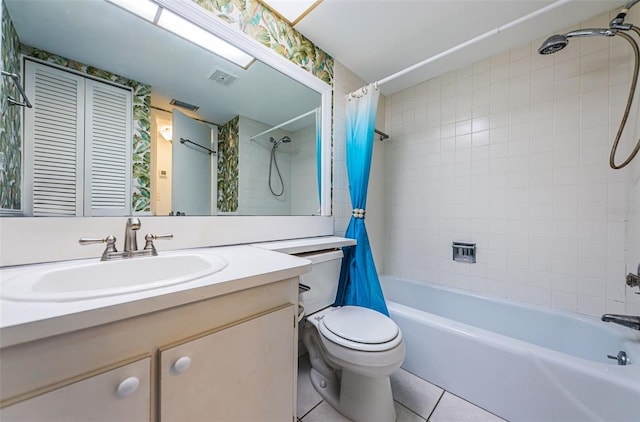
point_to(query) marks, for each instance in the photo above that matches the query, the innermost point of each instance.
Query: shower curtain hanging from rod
(308, 113)
(465, 44)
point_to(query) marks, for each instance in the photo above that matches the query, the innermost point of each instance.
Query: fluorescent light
(146, 9)
(207, 40)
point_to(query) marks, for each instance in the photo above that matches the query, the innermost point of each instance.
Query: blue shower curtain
(359, 284)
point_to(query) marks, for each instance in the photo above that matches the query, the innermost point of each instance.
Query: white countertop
(307, 244)
(248, 267)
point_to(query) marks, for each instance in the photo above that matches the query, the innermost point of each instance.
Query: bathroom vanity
(222, 347)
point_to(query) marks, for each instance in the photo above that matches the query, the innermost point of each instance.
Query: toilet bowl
(352, 350)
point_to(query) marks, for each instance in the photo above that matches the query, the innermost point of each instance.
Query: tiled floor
(416, 400)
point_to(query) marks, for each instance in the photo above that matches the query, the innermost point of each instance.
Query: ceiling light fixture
(197, 35)
(166, 132)
(170, 21)
(146, 9)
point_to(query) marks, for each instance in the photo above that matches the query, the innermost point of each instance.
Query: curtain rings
(361, 92)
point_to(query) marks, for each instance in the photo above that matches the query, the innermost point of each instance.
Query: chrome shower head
(553, 44)
(557, 42)
(284, 139)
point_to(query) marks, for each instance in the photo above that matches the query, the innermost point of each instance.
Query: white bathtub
(521, 362)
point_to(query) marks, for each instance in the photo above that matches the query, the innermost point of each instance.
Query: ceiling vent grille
(223, 77)
(184, 105)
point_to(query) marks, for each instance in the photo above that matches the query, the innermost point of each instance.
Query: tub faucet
(130, 241)
(630, 321)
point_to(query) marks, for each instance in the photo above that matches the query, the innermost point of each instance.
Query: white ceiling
(377, 38)
(373, 38)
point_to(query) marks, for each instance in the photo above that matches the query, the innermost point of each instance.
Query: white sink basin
(62, 283)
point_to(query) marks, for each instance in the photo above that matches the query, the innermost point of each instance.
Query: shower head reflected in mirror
(283, 140)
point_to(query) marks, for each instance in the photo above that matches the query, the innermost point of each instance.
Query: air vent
(184, 105)
(223, 77)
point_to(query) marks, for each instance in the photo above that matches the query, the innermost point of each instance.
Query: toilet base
(358, 397)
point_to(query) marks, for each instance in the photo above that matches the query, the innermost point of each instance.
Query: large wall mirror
(131, 118)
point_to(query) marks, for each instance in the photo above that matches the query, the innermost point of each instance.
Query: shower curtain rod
(285, 123)
(465, 44)
(383, 135)
(183, 141)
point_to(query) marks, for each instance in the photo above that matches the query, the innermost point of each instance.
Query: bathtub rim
(626, 335)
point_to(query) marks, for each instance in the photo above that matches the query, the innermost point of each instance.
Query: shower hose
(625, 116)
(272, 162)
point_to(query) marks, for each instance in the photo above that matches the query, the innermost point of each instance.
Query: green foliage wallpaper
(11, 130)
(228, 153)
(260, 23)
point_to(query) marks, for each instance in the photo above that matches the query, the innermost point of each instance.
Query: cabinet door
(78, 144)
(241, 373)
(120, 394)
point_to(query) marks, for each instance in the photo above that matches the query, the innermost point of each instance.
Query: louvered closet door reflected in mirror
(78, 145)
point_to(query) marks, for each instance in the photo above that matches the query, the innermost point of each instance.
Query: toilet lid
(357, 327)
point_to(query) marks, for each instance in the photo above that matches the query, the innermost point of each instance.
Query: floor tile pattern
(416, 400)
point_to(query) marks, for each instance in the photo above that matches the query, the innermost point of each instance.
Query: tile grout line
(310, 410)
(436, 406)
(410, 410)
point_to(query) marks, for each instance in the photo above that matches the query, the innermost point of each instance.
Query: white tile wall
(296, 161)
(254, 197)
(304, 179)
(512, 153)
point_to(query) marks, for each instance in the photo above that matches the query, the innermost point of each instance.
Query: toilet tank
(322, 279)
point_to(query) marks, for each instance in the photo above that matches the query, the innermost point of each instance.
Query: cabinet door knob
(181, 365)
(128, 386)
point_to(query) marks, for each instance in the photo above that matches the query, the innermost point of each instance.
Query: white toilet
(352, 350)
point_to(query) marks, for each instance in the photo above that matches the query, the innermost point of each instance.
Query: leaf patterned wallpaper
(259, 22)
(10, 131)
(228, 154)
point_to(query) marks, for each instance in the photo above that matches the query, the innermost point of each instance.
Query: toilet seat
(360, 328)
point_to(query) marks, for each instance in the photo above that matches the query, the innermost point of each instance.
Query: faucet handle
(109, 240)
(149, 238)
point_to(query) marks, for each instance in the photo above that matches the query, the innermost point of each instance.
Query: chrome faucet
(630, 321)
(130, 242)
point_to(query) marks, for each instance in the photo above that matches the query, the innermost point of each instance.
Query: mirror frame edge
(191, 11)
